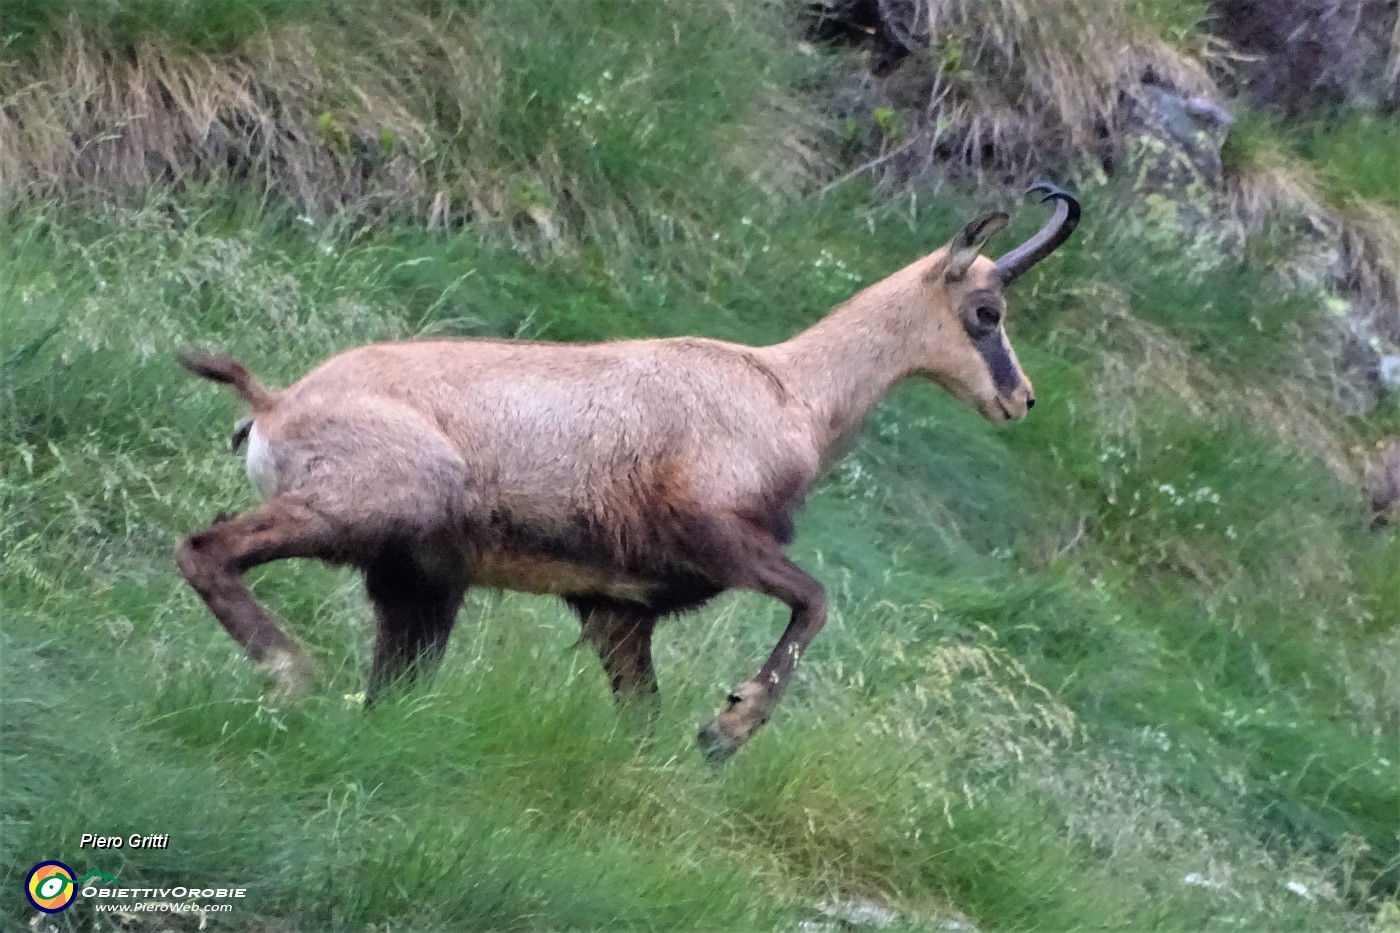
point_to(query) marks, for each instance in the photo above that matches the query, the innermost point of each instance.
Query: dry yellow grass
(304, 124)
(404, 115)
(1017, 86)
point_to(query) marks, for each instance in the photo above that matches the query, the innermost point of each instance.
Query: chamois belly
(526, 573)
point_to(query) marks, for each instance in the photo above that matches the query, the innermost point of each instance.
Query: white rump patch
(262, 468)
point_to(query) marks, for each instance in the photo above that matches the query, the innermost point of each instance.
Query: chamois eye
(988, 316)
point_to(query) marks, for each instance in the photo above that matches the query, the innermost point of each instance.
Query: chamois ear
(967, 244)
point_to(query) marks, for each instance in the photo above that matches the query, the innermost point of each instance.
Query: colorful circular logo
(50, 887)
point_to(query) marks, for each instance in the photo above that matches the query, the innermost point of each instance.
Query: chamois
(634, 479)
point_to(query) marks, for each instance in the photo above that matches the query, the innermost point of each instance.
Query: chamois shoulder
(731, 356)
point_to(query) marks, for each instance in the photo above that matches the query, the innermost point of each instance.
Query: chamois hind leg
(621, 634)
(213, 561)
(756, 561)
(415, 611)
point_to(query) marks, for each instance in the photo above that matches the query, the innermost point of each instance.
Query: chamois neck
(843, 365)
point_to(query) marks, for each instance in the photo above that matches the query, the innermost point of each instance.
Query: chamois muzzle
(1048, 239)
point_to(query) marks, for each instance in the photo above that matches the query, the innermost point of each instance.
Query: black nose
(1030, 402)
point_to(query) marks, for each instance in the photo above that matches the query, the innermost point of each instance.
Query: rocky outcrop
(1300, 54)
(961, 90)
(1172, 146)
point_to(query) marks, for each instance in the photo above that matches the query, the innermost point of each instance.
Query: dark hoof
(715, 746)
(292, 675)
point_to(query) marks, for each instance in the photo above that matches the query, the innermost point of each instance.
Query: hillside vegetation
(1131, 664)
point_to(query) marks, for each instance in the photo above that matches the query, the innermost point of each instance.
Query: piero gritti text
(134, 841)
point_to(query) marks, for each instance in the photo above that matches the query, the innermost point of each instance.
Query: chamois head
(972, 358)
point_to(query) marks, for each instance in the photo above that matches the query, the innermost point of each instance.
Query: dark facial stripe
(997, 355)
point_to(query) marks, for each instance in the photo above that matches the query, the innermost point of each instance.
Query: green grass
(1358, 156)
(1354, 156)
(1177, 21)
(207, 26)
(1139, 637)
(931, 752)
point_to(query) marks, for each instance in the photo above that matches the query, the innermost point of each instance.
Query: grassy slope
(1139, 636)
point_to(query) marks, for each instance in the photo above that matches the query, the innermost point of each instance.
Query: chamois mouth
(999, 411)
(993, 409)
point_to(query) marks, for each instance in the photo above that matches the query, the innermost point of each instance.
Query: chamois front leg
(751, 703)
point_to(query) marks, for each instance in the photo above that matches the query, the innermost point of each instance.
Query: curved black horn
(1048, 239)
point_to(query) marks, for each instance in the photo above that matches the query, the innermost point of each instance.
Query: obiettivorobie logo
(52, 886)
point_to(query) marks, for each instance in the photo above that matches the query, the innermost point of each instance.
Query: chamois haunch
(634, 479)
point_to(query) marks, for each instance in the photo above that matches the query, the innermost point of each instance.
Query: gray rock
(1383, 479)
(1304, 53)
(1193, 127)
(1388, 371)
(1173, 155)
(857, 913)
(843, 915)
